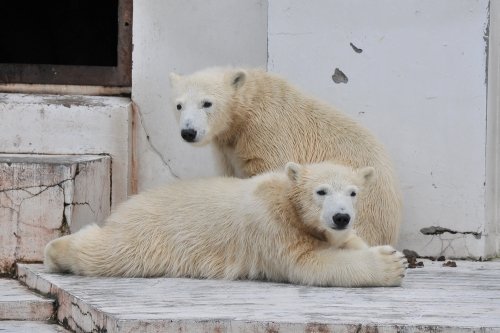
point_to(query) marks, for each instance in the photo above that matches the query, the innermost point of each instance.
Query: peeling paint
(356, 49)
(486, 38)
(339, 76)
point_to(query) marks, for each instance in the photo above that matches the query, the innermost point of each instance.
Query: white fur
(266, 227)
(258, 122)
(192, 114)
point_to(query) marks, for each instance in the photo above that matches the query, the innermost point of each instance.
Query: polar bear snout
(338, 212)
(189, 134)
(341, 220)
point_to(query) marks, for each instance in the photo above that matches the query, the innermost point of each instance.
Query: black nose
(341, 220)
(188, 134)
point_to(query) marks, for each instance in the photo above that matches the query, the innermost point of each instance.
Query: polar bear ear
(174, 78)
(238, 79)
(293, 170)
(367, 174)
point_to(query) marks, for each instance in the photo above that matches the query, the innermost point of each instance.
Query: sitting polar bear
(293, 226)
(258, 122)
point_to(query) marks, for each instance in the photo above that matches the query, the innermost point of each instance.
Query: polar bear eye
(207, 104)
(353, 194)
(179, 107)
(321, 192)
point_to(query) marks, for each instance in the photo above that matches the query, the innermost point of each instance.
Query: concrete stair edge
(19, 303)
(71, 312)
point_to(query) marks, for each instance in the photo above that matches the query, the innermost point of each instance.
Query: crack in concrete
(9, 205)
(74, 304)
(66, 324)
(15, 219)
(46, 187)
(467, 248)
(446, 247)
(35, 226)
(66, 218)
(152, 146)
(447, 244)
(84, 204)
(31, 194)
(15, 207)
(433, 230)
(95, 326)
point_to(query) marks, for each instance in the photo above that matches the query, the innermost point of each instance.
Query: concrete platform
(22, 310)
(433, 299)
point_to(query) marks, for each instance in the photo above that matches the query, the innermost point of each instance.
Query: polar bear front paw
(390, 265)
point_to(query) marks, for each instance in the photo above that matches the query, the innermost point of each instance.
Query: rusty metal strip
(134, 169)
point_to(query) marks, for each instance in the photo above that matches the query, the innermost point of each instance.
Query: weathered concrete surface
(433, 298)
(30, 327)
(69, 124)
(45, 196)
(19, 303)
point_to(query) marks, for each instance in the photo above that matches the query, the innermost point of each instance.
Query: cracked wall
(452, 243)
(43, 197)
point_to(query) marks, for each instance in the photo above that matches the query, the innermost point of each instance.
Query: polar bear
(292, 226)
(258, 122)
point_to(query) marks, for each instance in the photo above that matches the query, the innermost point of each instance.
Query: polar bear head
(202, 100)
(325, 194)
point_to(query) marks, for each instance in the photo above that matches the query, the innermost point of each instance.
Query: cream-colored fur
(266, 227)
(259, 122)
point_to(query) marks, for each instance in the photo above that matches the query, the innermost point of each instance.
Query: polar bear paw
(390, 265)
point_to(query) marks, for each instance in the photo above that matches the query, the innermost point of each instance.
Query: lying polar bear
(292, 226)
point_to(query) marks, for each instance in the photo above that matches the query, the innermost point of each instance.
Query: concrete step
(22, 310)
(433, 298)
(19, 303)
(13, 326)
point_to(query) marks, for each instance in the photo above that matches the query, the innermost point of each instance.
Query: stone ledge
(62, 124)
(30, 327)
(43, 197)
(433, 298)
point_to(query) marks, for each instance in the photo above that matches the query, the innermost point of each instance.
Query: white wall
(418, 84)
(184, 36)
